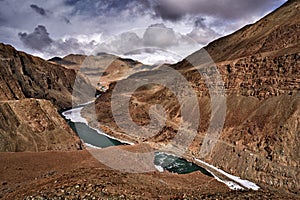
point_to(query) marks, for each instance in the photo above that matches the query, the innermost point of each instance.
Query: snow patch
(111, 137)
(92, 146)
(87, 103)
(159, 168)
(230, 184)
(75, 116)
(245, 183)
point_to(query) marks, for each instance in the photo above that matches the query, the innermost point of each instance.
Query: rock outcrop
(34, 125)
(259, 65)
(31, 94)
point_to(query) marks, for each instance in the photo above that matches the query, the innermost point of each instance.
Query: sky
(167, 30)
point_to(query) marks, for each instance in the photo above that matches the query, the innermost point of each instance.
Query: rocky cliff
(259, 65)
(34, 125)
(25, 76)
(31, 94)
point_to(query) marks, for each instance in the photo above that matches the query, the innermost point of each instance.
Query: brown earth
(34, 125)
(77, 175)
(259, 66)
(31, 94)
(33, 174)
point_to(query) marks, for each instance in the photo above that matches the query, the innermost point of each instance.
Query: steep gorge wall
(25, 76)
(258, 76)
(260, 138)
(32, 91)
(34, 125)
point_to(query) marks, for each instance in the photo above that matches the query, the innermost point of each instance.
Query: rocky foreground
(77, 175)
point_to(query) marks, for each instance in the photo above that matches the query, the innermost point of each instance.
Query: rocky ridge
(25, 76)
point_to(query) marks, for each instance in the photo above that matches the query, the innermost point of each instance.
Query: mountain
(259, 66)
(276, 34)
(31, 94)
(25, 76)
(44, 88)
(61, 61)
(109, 67)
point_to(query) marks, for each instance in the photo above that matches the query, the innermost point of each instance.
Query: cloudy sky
(124, 27)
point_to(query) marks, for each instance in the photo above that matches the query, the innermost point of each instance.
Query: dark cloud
(38, 40)
(48, 13)
(67, 46)
(200, 23)
(166, 13)
(94, 8)
(71, 2)
(175, 10)
(75, 23)
(38, 9)
(65, 19)
(2, 20)
(201, 32)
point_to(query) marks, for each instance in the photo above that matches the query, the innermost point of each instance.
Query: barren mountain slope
(259, 66)
(109, 67)
(34, 125)
(32, 91)
(25, 76)
(277, 33)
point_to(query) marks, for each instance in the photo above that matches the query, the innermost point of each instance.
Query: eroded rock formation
(34, 125)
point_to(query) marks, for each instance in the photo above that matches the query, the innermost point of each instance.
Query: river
(97, 139)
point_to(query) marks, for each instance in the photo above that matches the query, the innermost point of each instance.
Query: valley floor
(77, 175)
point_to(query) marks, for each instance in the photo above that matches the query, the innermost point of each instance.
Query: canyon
(259, 67)
(252, 77)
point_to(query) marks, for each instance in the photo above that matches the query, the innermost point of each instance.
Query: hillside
(34, 125)
(32, 93)
(25, 76)
(276, 34)
(109, 67)
(259, 141)
(259, 66)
